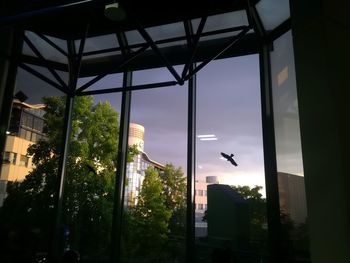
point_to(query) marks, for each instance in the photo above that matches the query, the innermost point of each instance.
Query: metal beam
(254, 19)
(57, 248)
(156, 50)
(191, 170)
(193, 44)
(53, 44)
(129, 88)
(124, 63)
(42, 77)
(41, 57)
(121, 171)
(207, 61)
(270, 163)
(166, 41)
(16, 18)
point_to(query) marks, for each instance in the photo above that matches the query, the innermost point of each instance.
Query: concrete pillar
(321, 35)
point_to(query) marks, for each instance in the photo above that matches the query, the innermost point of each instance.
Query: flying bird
(229, 158)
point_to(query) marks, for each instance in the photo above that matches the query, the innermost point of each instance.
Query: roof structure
(77, 37)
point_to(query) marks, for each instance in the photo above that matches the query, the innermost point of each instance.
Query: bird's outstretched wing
(233, 161)
(226, 156)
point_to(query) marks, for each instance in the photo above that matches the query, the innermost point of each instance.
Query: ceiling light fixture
(114, 12)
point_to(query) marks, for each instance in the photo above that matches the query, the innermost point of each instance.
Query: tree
(257, 210)
(90, 176)
(174, 189)
(149, 219)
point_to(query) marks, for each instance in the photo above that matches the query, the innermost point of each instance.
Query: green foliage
(159, 217)
(149, 219)
(174, 190)
(257, 210)
(90, 177)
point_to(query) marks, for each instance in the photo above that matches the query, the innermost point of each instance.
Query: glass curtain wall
(230, 204)
(154, 223)
(29, 172)
(290, 171)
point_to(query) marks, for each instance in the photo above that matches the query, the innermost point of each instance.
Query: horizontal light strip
(206, 136)
(208, 139)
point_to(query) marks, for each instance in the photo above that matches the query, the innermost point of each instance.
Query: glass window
(288, 147)
(222, 21)
(108, 82)
(48, 51)
(28, 200)
(23, 161)
(229, 133)
(155, 206)
(99, 43)
(90, 176)
(166, 31)
(273, 12)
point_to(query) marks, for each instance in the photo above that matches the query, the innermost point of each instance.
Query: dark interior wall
(321, 32)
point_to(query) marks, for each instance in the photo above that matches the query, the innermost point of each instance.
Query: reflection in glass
(288, 148)
(273, 12)
(28, 176)
(155, 193)
(230, 200)
(90, 176)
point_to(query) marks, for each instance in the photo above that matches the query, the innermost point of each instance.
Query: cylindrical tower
(136, 136)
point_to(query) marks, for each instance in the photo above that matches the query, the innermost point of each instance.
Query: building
(135, 171)
(26, 127)
(201, 204)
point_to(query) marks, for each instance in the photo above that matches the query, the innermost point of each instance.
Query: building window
(23, 161)
(9, 157)
(200, 206)
(200, 192)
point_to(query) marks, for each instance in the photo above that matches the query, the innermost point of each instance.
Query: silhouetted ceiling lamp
(114, 12)
(21, 96)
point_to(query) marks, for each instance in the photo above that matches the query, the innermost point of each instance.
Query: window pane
(288, 148)
(222, 21)
(98, 43)
(90, 176)
(273, 12)
(229, 124)
(29, 184)
(155, 193)
(166, 31)
(108, 82)
(48, 51)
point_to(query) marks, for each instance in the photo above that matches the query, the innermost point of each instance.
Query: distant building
(292, 196)
(26, 127)
(135, 171)
(201, 204)
(228, 215)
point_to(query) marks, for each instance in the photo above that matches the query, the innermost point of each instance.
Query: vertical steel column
(121, 171)
(191, 169)
(270, 163)
(57, 246)
(11, 45)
